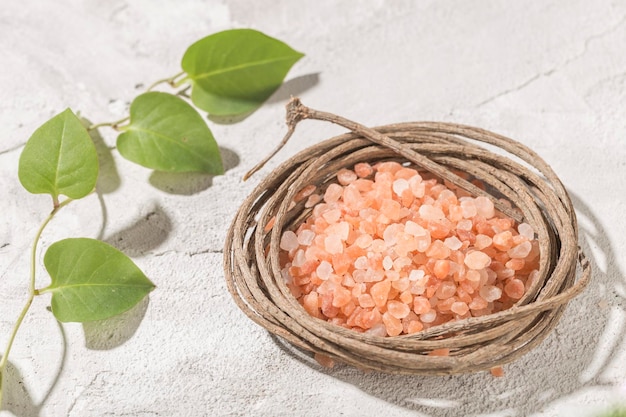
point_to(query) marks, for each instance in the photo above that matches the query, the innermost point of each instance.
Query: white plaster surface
(551, 74)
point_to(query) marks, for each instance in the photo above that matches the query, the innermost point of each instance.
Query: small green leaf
(233, 72)
(167, 134)
(59, 158)
(92, 280)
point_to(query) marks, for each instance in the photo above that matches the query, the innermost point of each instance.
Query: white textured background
(551, 74)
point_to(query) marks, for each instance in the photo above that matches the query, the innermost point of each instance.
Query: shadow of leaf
(144, 235)
(17, 399)
(189, 183)
(288, 89)
(108, 177)
(113, 332)
(568, 362)
(295, 87)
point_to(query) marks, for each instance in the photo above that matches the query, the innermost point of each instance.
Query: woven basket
(479, 343)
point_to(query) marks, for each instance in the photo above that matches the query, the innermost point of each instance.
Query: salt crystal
(361, 262)
(333, 244)
(312, 200)
(459, 308)
(399, 186)
(520, 251)
(305, 237)
(288, 241)
(324, 269)
(299, 259)
(526, 230)
(465, 224)
(366, 301)
(453, 243)
(482, 241)
(363, 241)
(446, 290)
(484, 207)
(284, 273)
(503, 240)
(380, 292)
(490, 293)
(397, 309)
(514, 288)
(333, 193)
(346, 176)
(417, 187)
(352, 197)
(363, 169)
(477, 260)
(392, 324)
(378, 245)
(331, 216)
(390, 235)
(429, 212)
(421, 305)
(414, 229)
(428, 317)
(417, 275)
(378, 329)
(341, 230)
(469, 208)
(387, 262)
(304, 192)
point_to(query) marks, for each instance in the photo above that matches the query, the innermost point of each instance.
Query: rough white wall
(551, 74)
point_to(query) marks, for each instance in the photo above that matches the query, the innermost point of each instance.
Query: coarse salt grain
(288, 241)
(391, 253)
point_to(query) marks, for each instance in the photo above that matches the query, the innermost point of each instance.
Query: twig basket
(253, 275)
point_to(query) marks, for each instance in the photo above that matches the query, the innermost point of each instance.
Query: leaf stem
(171, 81)
(114, 125)
(31, 293)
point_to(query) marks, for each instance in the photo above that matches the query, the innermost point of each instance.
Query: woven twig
(478, 343)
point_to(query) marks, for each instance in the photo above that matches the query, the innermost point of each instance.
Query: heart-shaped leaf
(92, 280)
(59, 158)
(167, 134)
(233, 72)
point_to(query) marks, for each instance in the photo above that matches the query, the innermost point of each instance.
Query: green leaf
(92, 280)
(235, 71)
(167, 134)
(59, 158)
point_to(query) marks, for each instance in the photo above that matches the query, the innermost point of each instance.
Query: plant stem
(114, 125)
(31, 293)
(171, 81)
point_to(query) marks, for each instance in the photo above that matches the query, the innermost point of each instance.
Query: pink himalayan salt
(526, 230)
(477, 260)
(398, 309)
(484, 207)
(482, 241)
(514, 288)
(288, 241)
(393, 325)
(363, 170)
(490, 293)
(399, 186)
(346, 176)
(324, 269)
(520, 251)
(305, 237)
(428, 212)
(409, 263)
(312, 200)
(333, 193)
(333, 244)
(453, 243)
(459, 308)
